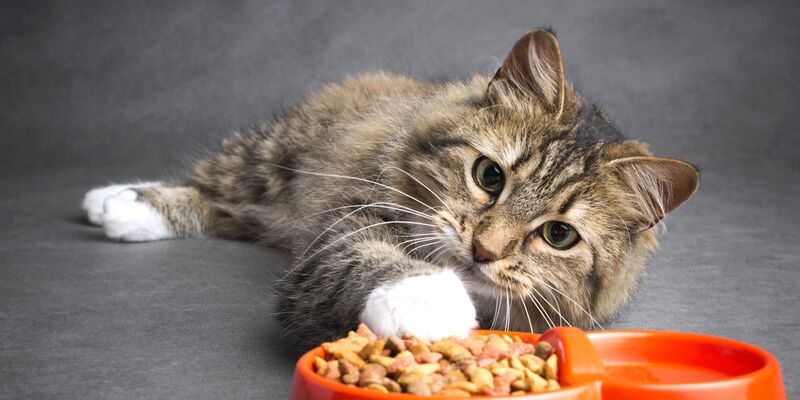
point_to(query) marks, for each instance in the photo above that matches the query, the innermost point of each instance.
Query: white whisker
(541, 310)
(382, 204)
(375, 205)
(412, 242)
(580, 307)
(423, 246)
(496, 298)
(508, 309)
(434, 251)
(356, 179)
(549, 304)
(423, 185)
(558, 307)
(527, 315)
(414, 235)
(353, 233)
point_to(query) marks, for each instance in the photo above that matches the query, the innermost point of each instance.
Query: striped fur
(347, 178)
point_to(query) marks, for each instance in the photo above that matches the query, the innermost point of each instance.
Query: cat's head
(541, 203)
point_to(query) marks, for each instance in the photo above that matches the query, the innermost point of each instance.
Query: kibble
(543, 350)
(378, 387)
(480, 365)
(551, 367)
(420, 388)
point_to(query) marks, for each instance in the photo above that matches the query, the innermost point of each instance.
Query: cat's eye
(559, 235)
(488, 176)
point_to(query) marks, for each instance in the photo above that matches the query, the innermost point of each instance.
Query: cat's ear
(658, 185)
(533, 68)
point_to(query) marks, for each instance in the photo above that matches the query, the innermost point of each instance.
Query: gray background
(95, 92)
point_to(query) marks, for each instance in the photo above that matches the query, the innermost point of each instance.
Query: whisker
(547, 314)
(353, 233)
(413, 235)
(423, 185)
(356, 179)
(413, 211)
(496, 298)
(342, 219)
(380, 204)
(548, 303)
(508, 309)
(372, 188)
(558, 307)
(412, 242)
(543, 282)
(527, 315)
(541, 310)
(440, 248)
(423, 246)
(504, 312)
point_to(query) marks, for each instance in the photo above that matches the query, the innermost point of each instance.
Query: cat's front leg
(366, 278)
(432, 306)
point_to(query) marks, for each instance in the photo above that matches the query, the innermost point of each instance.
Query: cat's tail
(148, 211)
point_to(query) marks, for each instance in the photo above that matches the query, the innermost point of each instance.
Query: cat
(508, 201)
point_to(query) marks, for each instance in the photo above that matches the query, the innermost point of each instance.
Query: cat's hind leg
(149, 212)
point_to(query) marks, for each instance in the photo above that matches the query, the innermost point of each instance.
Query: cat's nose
(480, 253)
(492, 241)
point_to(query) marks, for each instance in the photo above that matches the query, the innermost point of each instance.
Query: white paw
(129, 220)
(94, 199)
(430, 306)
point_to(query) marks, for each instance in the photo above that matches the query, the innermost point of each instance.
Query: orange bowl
(619, 365)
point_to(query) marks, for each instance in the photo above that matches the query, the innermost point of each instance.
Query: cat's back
(356, 114)
(363, 90)
(373, 96)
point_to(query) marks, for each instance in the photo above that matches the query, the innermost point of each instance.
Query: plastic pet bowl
(613, 365)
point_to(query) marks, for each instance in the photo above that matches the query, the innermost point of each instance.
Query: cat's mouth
(490, 277)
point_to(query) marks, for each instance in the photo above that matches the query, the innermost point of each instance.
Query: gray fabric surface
(94, 92)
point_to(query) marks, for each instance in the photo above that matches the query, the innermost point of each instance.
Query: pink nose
(481, 253)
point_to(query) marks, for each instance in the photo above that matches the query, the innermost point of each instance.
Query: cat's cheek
(430, 306)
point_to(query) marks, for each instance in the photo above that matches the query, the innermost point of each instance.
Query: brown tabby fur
(367, 148)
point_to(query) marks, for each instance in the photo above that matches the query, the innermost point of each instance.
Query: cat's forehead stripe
(437, 144)
(523, 158)
(568, 203)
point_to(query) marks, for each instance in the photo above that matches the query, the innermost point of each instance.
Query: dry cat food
(490, 365)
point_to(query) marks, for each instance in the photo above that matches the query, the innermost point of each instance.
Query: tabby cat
(429, 208)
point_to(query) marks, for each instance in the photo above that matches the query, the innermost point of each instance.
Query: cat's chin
(480, 284)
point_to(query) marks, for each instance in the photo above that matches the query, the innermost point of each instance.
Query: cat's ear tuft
(658, 185)
(534, 68)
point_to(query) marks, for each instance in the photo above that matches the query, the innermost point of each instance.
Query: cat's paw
(429, 306)
(127, 219)
(94, 199)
